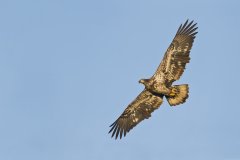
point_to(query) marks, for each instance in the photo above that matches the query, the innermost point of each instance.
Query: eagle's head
(144, 81)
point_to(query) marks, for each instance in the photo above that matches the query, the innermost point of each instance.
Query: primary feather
(177, 54)
(140, 109)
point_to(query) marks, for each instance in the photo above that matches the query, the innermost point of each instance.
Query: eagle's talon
(173, 92)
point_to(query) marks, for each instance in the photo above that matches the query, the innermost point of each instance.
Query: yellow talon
(173, 92)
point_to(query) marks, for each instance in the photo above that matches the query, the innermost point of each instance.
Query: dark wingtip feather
(125, 132)
(121, 132)
(183, 27)
(118, 129)
(190, 29)
(180, 27)
(113, 123)
(194, 34)
(193, 31)
(187, 28)
(112, 126)
(115, 129)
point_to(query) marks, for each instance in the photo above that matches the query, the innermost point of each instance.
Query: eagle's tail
(178, 95)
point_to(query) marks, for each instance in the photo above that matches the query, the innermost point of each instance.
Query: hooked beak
(141, 81)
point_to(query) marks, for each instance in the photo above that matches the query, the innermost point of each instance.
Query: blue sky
(69, 68)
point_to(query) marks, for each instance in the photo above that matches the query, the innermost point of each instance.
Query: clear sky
(68, 69)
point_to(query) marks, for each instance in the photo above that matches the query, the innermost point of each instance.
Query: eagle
(160, 84)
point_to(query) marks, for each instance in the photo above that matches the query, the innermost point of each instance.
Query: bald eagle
(160, 84)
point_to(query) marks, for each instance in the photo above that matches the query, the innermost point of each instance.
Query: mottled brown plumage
(160, 84)
(177, 54)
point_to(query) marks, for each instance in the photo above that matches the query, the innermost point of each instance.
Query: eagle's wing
(140, 109)
(177, 54)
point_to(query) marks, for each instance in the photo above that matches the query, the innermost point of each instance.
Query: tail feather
(179, 94)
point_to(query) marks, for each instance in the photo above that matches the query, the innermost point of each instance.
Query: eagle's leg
(162, 89)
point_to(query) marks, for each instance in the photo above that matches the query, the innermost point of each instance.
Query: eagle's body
(155, 86)
(160, 84)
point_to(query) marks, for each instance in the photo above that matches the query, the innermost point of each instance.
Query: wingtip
(188, 27)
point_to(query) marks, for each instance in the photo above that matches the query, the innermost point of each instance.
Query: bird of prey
(160, 84)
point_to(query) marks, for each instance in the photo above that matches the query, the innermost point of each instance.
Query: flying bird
(160, 84)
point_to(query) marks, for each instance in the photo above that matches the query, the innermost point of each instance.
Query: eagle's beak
(140, 81)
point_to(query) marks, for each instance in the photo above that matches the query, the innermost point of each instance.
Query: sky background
(68, 69)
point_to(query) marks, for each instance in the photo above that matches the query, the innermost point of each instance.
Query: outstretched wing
(177, 54)
(140, 109)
